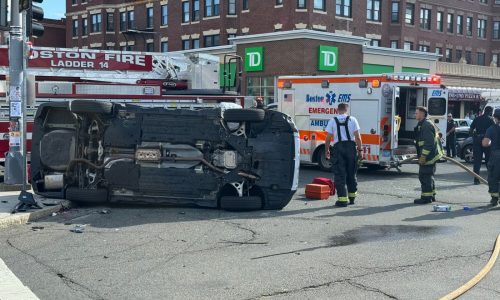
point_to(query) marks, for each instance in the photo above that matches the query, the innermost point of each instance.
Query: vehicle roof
(352, 75)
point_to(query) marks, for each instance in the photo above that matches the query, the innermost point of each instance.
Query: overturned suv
(98, 152)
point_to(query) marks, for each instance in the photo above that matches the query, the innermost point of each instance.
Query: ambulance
(384, 105)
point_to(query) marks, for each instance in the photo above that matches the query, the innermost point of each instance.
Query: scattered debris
(68, 223)
(37, 228)
(105, 212)
(54, 214)
(441, 208)
(5, 201)
(467, 208)
(105, 256)
(78, 229)
(182, 213)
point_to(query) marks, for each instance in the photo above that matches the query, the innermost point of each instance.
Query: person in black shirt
(478, 129)
(451, 147)
(492, 140)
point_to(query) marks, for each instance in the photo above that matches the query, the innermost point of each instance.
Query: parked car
(462, 122)
(97, 152)
(465, 148)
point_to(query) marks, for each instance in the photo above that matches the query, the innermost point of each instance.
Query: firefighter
(344, 130)
(478, 129)
(492, 140)
(429, 151)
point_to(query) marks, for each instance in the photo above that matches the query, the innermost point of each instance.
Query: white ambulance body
(384, 105)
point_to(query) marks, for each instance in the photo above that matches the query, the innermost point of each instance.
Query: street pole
(14, 158)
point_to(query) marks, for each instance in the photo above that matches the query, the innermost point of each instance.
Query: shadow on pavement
(369, 210)
(452, 214)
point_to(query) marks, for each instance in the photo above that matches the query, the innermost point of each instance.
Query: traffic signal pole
(14, 157)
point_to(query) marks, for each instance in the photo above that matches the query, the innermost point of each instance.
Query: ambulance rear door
(367, 112)
(437, 106)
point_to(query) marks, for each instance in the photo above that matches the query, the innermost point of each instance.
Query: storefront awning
(467, 93)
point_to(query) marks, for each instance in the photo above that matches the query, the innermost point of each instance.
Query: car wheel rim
(324, 162)
(468, 154)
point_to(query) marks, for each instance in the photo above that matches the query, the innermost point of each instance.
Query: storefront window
(261, 86)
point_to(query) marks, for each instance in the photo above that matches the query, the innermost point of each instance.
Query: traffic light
(34, 14)
(3, 15)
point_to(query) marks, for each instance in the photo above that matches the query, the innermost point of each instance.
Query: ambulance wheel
(323, 163)
(244, 115)
(235, 203)
(91, 107)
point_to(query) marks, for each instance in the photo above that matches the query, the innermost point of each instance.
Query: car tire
(323, 163)
(467, 154)
(91, 107)
(87, 195)
(235, 203)
(244, 115)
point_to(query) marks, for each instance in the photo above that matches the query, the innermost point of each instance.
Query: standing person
(429, 151)
(344, 130)
(492, 139)
(477, 130)
(451, 147)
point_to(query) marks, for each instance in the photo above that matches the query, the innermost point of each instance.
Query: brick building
(54, 35)
(457, 29)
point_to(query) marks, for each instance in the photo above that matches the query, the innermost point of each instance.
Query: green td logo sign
(254, 59)
(327, 58)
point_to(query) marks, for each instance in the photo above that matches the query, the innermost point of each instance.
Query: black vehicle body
(89, 151)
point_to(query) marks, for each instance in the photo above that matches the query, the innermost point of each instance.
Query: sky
(54, 9)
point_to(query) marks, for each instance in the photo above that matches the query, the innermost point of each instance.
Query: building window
(123, 21)
(394, 44)
(425, 18)
(164, 46)
(150, 18)
(164, 15)
(450, 24)
(439, 51)
(110, 22)
(110, 48)
(196, 10)
(481, 59)
(231, 8)
(245, 5)
(373, 10)
(469, 26)
(279, 2)
(320, 5)
(185, 12)
(261, 86)
(211, 8)
(185, 44)
(458, 55)
(395, 12)
(150, 47)
(423, 48)
(85, 26)
(481, 28)
(229, 36)
(301, 4)
(211, 40)
(494, 59)
(460, 24)
(375, 43)
(74, 2)
(408, 46)
(496, 30)
(131, 19)
(468, 57)
(75, 27)
(483, 1)
(410, 12)
(343, 8)
(439, 20)
(448, 55)
(96, 22)
(195, 43)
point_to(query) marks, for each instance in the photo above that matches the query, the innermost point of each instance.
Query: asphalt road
(383, 247)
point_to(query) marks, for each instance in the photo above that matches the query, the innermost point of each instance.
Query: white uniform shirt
(353, 126)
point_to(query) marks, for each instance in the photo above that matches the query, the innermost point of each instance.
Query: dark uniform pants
(345, 167)
(426, 177)
(451, 147)
(478, 151)
(494, 173)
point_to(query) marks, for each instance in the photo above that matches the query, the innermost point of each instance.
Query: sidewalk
(9, 199)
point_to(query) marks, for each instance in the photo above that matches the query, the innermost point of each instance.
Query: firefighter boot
(494, 201)
(342, 202)
(423, 200)
(351, 200)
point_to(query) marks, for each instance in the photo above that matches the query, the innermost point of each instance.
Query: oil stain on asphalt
(372, 233)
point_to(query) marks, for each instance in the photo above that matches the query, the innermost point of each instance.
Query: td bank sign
(328, 58)
(254, 59)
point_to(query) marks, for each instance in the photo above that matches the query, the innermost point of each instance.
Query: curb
(33, 215)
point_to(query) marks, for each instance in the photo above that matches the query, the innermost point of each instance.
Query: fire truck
(384, 105)
(166, 80)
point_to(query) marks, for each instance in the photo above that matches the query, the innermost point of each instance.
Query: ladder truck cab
(384, 105)
(168, 80)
